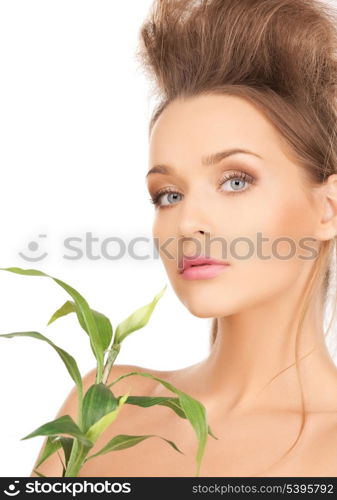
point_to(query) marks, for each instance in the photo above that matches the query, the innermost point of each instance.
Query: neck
(254, 346)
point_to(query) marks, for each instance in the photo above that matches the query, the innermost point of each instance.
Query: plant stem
(97, 380)
(79, 407)
(72, 457)
(76, 459)
(110, 361)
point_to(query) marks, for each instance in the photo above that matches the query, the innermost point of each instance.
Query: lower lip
(203, 272)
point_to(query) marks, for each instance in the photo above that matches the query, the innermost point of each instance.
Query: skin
(255, 299)
(255, 416)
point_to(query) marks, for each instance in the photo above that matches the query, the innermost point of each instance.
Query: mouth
(201, 266)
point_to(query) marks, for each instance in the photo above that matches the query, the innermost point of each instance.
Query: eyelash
(228, 176)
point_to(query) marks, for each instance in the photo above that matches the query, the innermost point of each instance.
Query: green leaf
(123, 441)
(102, 322)
(67, 444)
(104, 327)
(96, 341)
(97, 402)
(173, 403)
(196, 414)
(194, 410)
(56, 443)
(67, 359)
(94, 432)
(146, 401)
(68, 307)
(62, 425)
(51, 446)
(137, 319)
(211, 433)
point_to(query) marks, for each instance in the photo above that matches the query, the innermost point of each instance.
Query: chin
(207, 309)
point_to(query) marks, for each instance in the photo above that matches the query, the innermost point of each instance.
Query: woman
(243, 170)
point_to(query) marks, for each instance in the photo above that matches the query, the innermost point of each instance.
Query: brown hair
(278, 54)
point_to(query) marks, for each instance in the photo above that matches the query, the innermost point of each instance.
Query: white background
(74, 112)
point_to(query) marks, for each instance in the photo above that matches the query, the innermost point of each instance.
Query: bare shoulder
(324, 448)
(52, 466)
(316, 451)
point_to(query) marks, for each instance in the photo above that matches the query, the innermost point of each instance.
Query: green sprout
(99, 407)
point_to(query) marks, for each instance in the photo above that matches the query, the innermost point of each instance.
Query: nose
(193, 221)
(194, 217)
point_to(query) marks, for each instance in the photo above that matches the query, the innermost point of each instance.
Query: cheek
(164, 231)
(270, 255)
(276, 227)
(286, 225)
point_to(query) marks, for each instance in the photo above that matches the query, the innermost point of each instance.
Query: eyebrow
(208, 160)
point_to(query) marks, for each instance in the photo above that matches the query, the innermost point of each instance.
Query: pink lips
(201, 267)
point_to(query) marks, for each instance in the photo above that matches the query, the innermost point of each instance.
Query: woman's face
(234, 209)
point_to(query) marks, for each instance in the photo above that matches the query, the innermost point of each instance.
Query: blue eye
(236, 180)
(235, 184)
(172, 195)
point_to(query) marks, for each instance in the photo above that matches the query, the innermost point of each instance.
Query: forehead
(195, 126)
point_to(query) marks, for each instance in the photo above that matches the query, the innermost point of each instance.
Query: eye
(236, 182)
(235, 179)
(171, 198)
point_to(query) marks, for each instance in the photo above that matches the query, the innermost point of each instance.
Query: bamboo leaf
(173, 403)
(66, 308)
(211, 433)
(104, 327)
(61, 425)
(99, 427)
(51, 446)
(97, 402)
(137, 319)
(67, 359)
(67, 444)
(123, 441)
(53, 443)
(96, 341)
(57, 442)
(196, 414)
(102, 322)
(146, 401)
(194, 410)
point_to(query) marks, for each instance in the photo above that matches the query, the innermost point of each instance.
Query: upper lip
(187, 262)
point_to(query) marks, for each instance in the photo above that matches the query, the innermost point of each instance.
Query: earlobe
(328, 212)
(328, 223)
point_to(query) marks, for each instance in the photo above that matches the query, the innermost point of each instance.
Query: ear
(327, 224)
